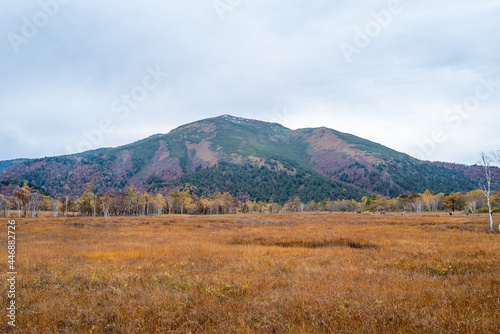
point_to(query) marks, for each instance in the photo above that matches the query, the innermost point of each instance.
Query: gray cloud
(263, 58)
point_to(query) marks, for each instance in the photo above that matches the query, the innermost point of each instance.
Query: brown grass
(284, 273)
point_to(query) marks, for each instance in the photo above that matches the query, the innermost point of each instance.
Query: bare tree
(34, 204)
(18, 206)
(170, 203)
(474, 199)
(54, 206)
(66, 204)
(107, 202)
(485, 185)
(7, 207)
(3, 204)
(417, 205)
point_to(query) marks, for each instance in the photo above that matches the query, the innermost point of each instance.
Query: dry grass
(284, 273)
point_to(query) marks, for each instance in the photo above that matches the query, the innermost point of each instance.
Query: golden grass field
(279, 273)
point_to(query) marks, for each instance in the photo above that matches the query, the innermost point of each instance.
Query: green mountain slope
(263, 183)
(249, 157)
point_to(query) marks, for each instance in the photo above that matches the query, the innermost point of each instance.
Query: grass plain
(277, 273)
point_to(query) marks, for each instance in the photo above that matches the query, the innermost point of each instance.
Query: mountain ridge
(343, 163)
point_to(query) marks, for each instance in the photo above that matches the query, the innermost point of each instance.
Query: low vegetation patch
(340, 242)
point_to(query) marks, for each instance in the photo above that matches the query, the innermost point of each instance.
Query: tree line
(28, 202)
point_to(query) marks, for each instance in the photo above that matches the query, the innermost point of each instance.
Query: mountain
(9, 163)
(248, 158)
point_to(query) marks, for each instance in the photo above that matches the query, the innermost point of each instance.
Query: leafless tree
(3, 204)
(485, 185)
(170, 203)
(474, 199)
(107, 202)
(417, 205)
(34, 204)
(7, 207)
(54, 206)
(66, 204)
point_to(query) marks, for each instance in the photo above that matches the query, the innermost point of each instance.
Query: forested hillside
(247, 158)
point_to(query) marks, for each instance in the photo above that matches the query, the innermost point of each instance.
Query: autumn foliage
(28, 202)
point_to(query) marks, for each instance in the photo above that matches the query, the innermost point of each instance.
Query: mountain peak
(231, 117)
(234, 119)
(250, 122)
(345, 163)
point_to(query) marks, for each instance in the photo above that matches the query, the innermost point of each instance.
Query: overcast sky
(422, 77)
